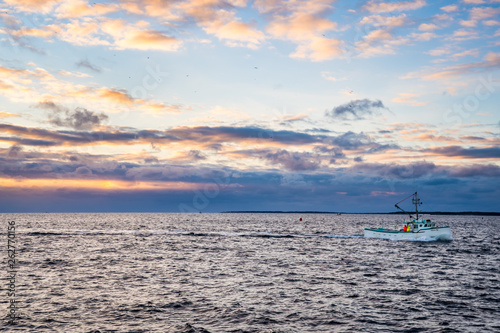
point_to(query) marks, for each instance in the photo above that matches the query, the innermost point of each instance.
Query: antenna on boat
(414, 195)
(416, 201)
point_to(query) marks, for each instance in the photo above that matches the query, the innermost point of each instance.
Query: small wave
(344, 236)
(263, 235)
(144, 233)
(44, 233)
(235, 234)
(188, 328)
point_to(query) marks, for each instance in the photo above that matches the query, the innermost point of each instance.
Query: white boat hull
(430, 234)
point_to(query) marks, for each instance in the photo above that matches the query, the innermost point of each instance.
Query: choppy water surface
(251, 273)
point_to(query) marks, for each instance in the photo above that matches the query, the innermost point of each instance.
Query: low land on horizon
(397, 213)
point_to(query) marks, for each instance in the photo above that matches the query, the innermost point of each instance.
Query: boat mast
(416, 201)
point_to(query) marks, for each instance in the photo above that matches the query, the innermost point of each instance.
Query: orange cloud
(115, 96)
(319, 49)
(94, 184)
(79, 8)
(35, 85)
(434, 138)
(158, 109)
(235, 31)
(4, 114)
(215, 19)
(33, 5)
(46, 32)
(491, 60)
(308, 31)
(99, 30)
(378, 42)
(149, 40)
(408, 98)
(81, 33)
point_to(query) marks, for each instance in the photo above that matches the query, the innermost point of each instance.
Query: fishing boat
(417, 228)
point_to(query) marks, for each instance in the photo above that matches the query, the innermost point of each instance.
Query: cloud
(80, 8)
(393, 170)
(4, 114)
(476, 170)
(378, 42)
(226, 133)
(235, 32)
(27, 142)
(287, 119)
(17, 34)
(303, 24)
(356, 109)
(101, 30)
(196, 155)
(148, 40)
(463, 34)
(334, 153)
(205, 135)
(490, 61)
(86, 64)
(450, 8)
(474, 2)
(481, 13)
(330, 77)
(79, 119)
(115, 96)
(408, 98)
(14, 151)
(491, 23)
(35, 85)
(351, 140)
(293, 161)
(425, 36)
(78, 175)
(427, 27)
(457, 151)
(33, 5)
(385, 21)
(468, 24)
(385, 7)
(83, 171)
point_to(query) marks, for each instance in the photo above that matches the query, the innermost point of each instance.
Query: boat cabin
(416, 225)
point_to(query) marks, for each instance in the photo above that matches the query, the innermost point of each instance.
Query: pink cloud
(385, 7)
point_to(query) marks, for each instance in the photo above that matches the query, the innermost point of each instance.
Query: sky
(210, 105)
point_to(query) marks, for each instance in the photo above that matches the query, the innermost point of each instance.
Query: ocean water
(249, 273)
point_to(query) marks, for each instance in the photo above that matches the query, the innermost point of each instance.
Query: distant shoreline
(471, 213)
(335, 213)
